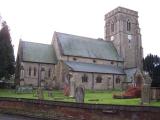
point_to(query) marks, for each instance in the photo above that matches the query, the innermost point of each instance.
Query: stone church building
(76, 60)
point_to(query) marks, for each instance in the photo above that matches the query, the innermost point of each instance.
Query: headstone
(146, 89)
(40, 93)
(145, 97)
(21, 82)
(50, 88)
(79, 95)
(72, 88)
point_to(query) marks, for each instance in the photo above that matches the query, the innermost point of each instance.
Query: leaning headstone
(79, 95)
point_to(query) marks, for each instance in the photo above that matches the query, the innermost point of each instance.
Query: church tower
(122, 28)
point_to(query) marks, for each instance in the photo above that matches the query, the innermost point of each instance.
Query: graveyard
(95, 97)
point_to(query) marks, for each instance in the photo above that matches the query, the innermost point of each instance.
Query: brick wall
(75, 111)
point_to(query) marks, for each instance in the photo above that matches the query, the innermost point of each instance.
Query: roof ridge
(98, 39)
(34, 42)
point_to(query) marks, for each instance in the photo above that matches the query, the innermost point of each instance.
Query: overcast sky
(36, 20)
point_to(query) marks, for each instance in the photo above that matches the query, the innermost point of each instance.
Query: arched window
(35, 71)
(22, 73)
(30, 71)
(84, 78)
(98, 79)
(128, 25)
(49, 73)
(112, 27)
(42, 73)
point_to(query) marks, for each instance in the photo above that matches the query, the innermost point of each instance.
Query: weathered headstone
(22, 82)
(50, 88)
(145, 97)
(79, 95)
(146, 90)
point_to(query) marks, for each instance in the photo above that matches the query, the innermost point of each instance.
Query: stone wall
(155, 93)
(108, 81)
(76, 111)
(35, 78)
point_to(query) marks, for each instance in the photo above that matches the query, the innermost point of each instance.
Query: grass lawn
(96, 97)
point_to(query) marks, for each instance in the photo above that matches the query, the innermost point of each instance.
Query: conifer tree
(7, 61)
(151, 64)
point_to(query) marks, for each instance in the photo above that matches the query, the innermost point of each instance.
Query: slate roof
(93, 68)
(130, 73)
(38, 52)
(73, 45)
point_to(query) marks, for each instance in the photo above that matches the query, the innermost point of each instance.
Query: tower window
(129, 41)
(84, 78)
(112, 27)
(128, 25)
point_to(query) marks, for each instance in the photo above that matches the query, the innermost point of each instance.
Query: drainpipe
(113, 81)
(92, 81)
(38, 74)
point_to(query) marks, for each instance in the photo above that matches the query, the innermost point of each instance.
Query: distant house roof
(93, 68)
(38, 52)
(87, 47)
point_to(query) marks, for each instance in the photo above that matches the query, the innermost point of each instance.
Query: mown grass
(95, 97)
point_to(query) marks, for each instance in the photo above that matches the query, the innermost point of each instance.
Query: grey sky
(36, 20)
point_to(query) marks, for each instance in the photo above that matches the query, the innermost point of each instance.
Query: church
(98, 64)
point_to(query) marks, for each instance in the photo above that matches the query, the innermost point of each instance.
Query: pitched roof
(94, 68)
(87, 47)
(38, 52)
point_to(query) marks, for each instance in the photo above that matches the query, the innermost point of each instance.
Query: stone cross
(79, 95)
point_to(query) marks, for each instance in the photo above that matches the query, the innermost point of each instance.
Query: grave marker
(79, 95)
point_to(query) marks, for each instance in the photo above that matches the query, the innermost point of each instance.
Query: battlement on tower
(121, 10)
